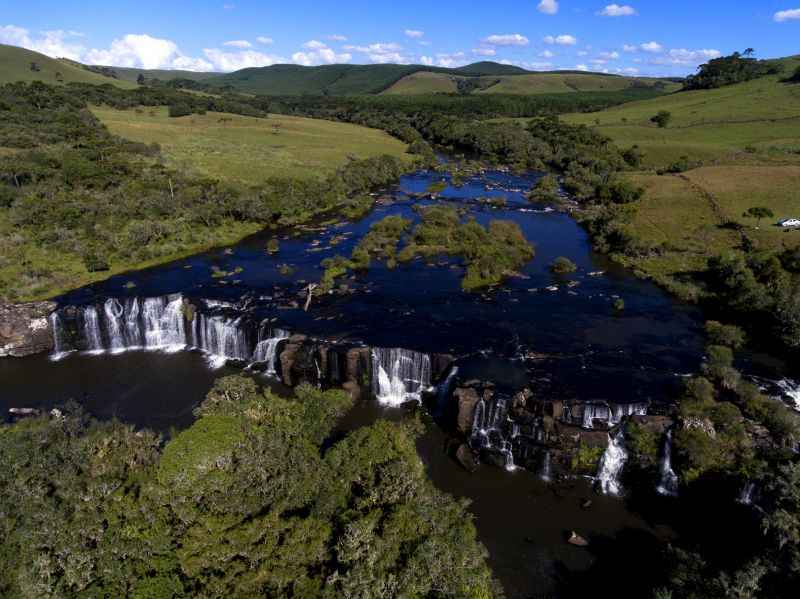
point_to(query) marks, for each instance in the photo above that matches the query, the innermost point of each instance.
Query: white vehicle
(790, 222)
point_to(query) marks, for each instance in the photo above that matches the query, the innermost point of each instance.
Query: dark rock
(467, 399)
(466, 458)
(655, 424)
(25, 329)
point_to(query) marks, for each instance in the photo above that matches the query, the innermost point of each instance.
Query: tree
(749, 52)
(140, 79)
(35, 67)
(759, 212)
(662, 119)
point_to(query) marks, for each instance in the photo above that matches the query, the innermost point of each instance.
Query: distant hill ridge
(337, 80)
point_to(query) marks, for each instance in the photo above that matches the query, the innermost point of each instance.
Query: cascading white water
(612, 464)
(746, 495)
(792, 390)
(488, 424)
(399, 375)
(626, 410)
(59, 347)
(545, 473)
(592, 412)
(164, 323)
(91, 330)
(115, 326)
(266, 349)
(222, 338)
(668, 482)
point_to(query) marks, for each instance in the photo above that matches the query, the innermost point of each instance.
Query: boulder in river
(25, 328)
(467, 458)
(577, 540)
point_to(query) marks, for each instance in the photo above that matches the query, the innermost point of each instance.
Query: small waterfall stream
(444, 390)
(489, 429)
(266, 351)
(399, 375)
(612, 464)
(668, 482)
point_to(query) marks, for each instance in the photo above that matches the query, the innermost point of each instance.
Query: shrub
(725, 334)
(562, 265)
(546, 190)
(662, 119)
(179, 109)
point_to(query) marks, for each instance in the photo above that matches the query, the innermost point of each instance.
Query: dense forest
(289, 509)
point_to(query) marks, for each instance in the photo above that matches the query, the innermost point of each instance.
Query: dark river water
(585, 348)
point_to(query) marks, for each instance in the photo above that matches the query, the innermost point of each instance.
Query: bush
(662, 119)
(546, 190)
(725, 334)
(562, 265)
(179, 109)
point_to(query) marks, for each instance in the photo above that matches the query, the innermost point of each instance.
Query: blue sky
(648, 37)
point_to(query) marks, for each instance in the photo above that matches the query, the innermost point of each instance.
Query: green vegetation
(562, 266)
(78, 203)
(249, 501)
(250, 150)
(19, 64)
(729, 70)
(490, 254)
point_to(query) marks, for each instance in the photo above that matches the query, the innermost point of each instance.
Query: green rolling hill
(17, 64)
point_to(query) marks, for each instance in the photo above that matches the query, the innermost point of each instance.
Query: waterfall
(164, 323)
(266, 349)
(443, 392)
(399, 375)
(59, 348)
(223, 338)
(746, 495)
(792, 390)
(115, 325)
(489, 430)
(91, 330)
(610, 414)
(592, 412)
(621, 411)
(545, 473)
(612, 464)
(668, 484)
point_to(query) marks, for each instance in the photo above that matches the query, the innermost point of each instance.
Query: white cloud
(337, 38)
(598, 61)
(561, 40)
(682, 56)
(609, 55)
(267, 41)
(546, 54)
(581, 67)
(615, 10)
(484, 51)
(238, 44)
(548, 7)
(583, 53)
(630, 48)
(315, 45)
(507, 39)
(414, 34)
(426, 60)
(233, 61)
(451, 60)
(652, 47)
(147, 52)
(55, 43)
(319, 53)
(787, 15)
(381, 53)
(630, 71)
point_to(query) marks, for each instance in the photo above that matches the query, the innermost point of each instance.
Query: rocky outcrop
(467, 399)
(25, 329)
(467, 458)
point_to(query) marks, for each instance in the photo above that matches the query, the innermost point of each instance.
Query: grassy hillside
(425, 82)
(130, 74)
(737, 147)
(249, 150)
(15, 65)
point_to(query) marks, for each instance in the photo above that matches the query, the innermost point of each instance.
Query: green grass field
(15, 65)
(744, 144)
(424, 82)
(248, 150)
(709, 125)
